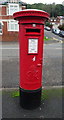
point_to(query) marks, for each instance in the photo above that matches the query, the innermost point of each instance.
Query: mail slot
(33, 30)
(31, 40)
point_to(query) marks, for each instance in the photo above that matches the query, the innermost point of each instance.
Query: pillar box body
(31, 40)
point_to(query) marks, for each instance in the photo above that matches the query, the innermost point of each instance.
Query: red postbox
(31, 40)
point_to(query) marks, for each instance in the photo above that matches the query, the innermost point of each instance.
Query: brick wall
(3, 10)
(8, 35)
(0, 38)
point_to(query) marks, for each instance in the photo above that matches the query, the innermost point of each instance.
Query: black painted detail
(30, 99)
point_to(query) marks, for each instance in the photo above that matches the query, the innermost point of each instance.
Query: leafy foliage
(53, 9)
(61, 27)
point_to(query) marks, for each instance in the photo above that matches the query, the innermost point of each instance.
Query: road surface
(53, 36)
(52, 65)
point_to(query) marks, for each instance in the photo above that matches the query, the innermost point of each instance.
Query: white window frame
(9, 8)
(1, 29)
(13, 23)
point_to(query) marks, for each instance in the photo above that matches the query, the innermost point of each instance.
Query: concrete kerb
(44, 87)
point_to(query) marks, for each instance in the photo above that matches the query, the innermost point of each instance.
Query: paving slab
(51, 104)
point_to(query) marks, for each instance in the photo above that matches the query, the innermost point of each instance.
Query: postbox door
(31, 54)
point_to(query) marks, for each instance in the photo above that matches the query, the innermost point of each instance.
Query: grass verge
(46, 93)
(46, 38)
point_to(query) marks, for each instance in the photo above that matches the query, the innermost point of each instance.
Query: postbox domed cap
(31, 12)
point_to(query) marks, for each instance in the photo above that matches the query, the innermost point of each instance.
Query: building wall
(7, 35)
(3, 10)
(4, 18)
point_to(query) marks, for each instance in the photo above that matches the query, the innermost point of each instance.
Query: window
(0, 10)
(13, 25)
(0, 28)
(12, 8)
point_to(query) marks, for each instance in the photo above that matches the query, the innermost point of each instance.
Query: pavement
(51, 104)
(53, 86)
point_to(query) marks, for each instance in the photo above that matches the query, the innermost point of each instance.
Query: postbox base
(30, 99)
